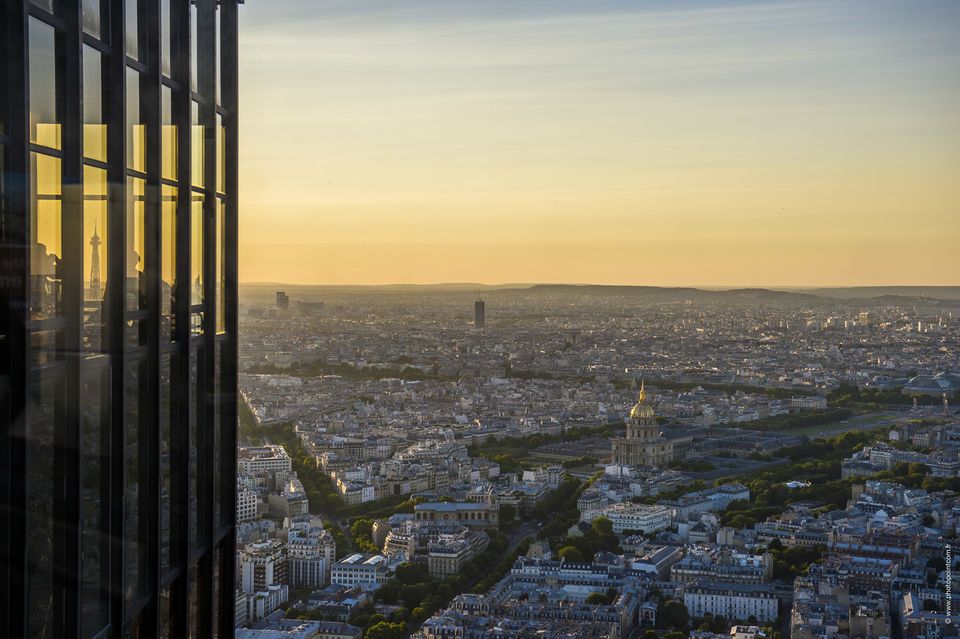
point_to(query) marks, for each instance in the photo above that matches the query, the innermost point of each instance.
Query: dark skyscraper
(479, 314)
(118, 343)
(283, 300)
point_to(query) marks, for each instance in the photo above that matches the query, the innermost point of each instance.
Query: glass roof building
(118, 317)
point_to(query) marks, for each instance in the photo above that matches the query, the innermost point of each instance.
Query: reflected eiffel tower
(95, 284)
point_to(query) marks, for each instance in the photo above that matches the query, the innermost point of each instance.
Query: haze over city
(681, 143)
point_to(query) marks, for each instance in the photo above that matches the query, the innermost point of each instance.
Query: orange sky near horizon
(690, 143)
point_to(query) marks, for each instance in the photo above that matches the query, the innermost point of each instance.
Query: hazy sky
(631, 142)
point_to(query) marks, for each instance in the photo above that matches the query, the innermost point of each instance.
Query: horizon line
(665, 286)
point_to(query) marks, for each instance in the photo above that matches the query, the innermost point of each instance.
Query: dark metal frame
(213, 611)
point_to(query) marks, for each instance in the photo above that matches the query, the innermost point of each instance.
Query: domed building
(643, 444)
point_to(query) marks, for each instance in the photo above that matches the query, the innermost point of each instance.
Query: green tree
(918, 468)
(571, 553)
(412, 573)
(673, 614)
(386, 630)
(602, 526)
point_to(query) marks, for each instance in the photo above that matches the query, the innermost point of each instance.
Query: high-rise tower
(118, 182)
(479, 314)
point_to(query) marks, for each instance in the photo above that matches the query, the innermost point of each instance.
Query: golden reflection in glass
(168, 257)
(136, 241)
(221, 156)
(221, 266)
(45, 235)
(168, 136)
(94, 255)
(44, 119)
(196, 248)
(196, 146)
(94, 129)
(136, 131)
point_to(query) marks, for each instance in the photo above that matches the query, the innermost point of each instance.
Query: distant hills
(878, 295)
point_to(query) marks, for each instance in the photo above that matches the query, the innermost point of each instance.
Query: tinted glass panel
(168, 136)
(136, 240)
(45, 236)
(168, 258)
(166, 449)
(166, 36)
(92, 18)
(134, 519)
(94, 129)
(44, 117)
(196, 247)
(132, 28)
(221, 266)
(42, 412)
(136, 131)
(196, 146)
(95, 498)
(94, 256)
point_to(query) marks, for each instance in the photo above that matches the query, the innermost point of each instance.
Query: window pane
(168, 260)
(136, 131)
(216, 49)
(94, 495)
(196, 144)
(136, 282)
(194, 602)
(217, 412)
(132, 29)
(42, 402)
(168, 136)
(193, 47)
(92, 18)
(44, 119)
(166, 36)
(194, 446)
(196, 247)
(94, 128)
(45, 240)
(134, 522)
(221, 267)
(166, 447)
(94, 256)
(43, 347)
(53, 6)
(221, 156)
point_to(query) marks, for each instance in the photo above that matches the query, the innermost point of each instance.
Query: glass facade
(118, 307)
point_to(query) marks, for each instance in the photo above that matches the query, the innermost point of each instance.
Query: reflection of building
(643, 444)
(95, 293)
(118, 483)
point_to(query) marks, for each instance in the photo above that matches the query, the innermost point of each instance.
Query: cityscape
(588, 461)
(479, 319)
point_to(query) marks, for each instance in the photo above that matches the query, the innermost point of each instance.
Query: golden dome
(642, 410)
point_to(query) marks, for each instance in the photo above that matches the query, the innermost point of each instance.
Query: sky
(680, 142)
